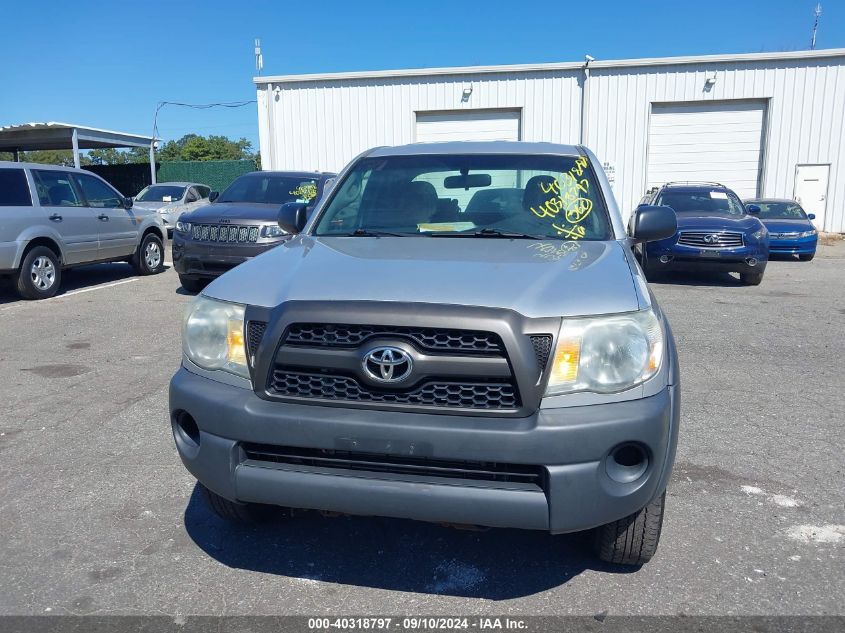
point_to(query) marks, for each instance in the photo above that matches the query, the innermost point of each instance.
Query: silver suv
(459, 333)
(52, 218)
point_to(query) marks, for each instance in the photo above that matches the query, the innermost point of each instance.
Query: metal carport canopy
(57, 135)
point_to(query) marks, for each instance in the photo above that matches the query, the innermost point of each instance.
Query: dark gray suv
(460, 333)
(239, 224)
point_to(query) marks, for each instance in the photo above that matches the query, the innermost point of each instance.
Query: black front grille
(542, 344)
(254, 334)
(433, 393)
(433, 339)
(224, 233)
(703, 239)
(402, 465)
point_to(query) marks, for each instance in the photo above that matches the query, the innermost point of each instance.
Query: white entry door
(811, 190)
(433, 127)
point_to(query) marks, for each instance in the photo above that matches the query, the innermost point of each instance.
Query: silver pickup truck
(459, 333)
(52, 218)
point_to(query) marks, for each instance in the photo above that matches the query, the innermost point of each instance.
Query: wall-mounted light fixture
(710, 80)
(465, 95)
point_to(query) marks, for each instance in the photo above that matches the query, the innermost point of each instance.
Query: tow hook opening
(627, 462)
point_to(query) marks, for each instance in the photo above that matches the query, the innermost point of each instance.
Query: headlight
(606, 354)
(272, 230)
(808, 233)
(759, 235)
(183, 227)
(213, 335)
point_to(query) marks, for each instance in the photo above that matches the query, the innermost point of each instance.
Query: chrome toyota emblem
(711, 239)
(387, 364)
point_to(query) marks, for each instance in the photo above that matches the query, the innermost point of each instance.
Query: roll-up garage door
(720, 142)
(468, 126)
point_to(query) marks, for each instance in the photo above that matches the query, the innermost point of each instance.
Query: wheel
(149, 258)
(751, 279)
(233, 511)
(191, 284)
(40, 274)
(649, 268)
(806, 257)
(632, 540)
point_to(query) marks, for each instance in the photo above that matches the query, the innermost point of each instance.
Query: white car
(172, 199)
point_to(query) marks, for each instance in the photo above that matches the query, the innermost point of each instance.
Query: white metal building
(768, 124)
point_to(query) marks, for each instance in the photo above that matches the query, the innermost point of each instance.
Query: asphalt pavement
(98, 516)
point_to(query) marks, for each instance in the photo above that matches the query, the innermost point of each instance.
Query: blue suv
(716, 232)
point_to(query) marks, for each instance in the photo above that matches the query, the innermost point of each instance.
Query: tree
(112, 156)
(195, 147)
(62, 157)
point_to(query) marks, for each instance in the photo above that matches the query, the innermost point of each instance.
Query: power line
(196, 106)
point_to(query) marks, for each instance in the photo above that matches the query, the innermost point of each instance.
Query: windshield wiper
(370, 233)
(488, 232)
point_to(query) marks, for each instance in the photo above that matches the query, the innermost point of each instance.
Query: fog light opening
(187, 427)
(664, 259)
(627, 463)
(751, 261)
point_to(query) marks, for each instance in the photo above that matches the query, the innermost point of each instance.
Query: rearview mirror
(467, 181)
(650, 223)
(812, 216)
(752, 209)
(127, 203)
(213, 196)
(293, 216)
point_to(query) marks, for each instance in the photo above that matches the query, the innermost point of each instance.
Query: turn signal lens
(237, 351)
(567, 357)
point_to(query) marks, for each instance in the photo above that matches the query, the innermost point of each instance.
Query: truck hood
(235, 212)
(534, 278)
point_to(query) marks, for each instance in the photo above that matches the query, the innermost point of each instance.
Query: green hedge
(217, 174)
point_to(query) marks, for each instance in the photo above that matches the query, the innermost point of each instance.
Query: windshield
(781, 210)
(270, 189)
(160, 193)
(702, 201)
(453, 194)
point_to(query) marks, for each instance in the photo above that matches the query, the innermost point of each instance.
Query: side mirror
(650, 223)
(752, 209)
(812, 216)
(213, 196)
(293, 216)
(127, 203)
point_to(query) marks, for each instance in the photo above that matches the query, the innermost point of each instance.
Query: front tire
(149, 258)
(233, 511)
(634, 539)
(806, 257)
(40, 275)
(192, 285)
(751, 279)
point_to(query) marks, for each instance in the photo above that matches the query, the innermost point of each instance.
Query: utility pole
(816, 26)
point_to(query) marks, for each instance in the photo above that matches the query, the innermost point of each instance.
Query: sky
(108, 64)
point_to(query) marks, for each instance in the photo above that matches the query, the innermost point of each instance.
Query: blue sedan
(790, 230)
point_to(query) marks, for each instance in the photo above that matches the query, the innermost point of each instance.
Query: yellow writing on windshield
(568, 196)
(307, 191)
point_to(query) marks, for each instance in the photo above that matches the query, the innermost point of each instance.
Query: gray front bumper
(571, 444)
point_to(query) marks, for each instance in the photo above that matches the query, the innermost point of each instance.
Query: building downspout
(585, 99)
